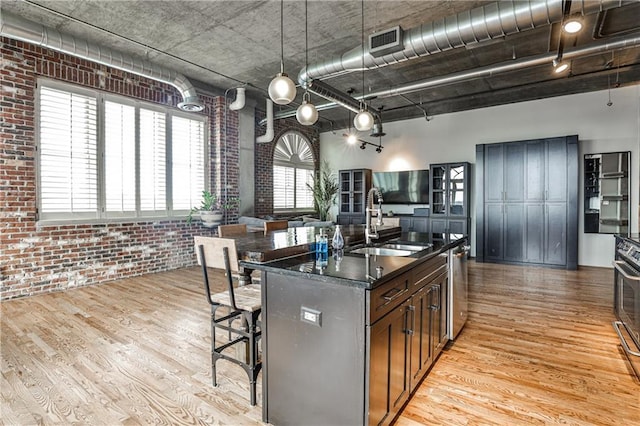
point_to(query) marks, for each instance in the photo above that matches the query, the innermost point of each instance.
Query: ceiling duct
(18, 28)
(469, 27)
(489, 71)
(328, 92)
(385, 42)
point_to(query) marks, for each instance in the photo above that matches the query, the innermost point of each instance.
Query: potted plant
(211, 210)
(324, 187)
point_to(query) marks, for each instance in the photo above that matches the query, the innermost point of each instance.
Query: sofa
(256, 223)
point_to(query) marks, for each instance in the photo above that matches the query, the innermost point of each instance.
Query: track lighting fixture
(559, 65)
(363, 145)
(353, 139)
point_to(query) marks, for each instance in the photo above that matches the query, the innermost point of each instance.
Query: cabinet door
(421, 338)
(438, 226)
(406, 223)
(556, 170)
(437, 295)
(438, 189)
(534, 172)
(358, 194)
(514, 232)
(494, 173)
(514, 172)
(534, 235)
(457, 226)
(457, 181)
(555, 248)
(494, 236)
(389, 374)
(421, 224)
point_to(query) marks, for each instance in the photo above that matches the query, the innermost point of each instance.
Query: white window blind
(283, 187)
(153, 153)
(102, 156)
(120, 157)
(187, 161)
(292, 169)
(304, 196)
(68, 153)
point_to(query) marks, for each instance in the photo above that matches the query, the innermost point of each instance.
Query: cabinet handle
(392, 294)
(409, 330)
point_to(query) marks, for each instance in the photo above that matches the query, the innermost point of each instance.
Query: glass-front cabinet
(354, 185)
(450, 189)
(606, 193)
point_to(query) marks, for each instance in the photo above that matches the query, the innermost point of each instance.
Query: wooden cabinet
(389, 366)
(407, 340)
(354, 185)
(527, 202)
(449, 198)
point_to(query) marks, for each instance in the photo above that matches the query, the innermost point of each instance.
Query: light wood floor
(538, 348)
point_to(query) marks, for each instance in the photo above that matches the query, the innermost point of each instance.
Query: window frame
(295, 166)
(101, 215)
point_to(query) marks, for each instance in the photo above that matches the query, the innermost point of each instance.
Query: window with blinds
(293, 166)
(68, 154)
(187, 162)
(102, 156)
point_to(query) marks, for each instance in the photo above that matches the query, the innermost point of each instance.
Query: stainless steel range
(627, 298)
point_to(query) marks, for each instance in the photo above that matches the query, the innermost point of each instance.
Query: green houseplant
(324, 187)
(211, 209)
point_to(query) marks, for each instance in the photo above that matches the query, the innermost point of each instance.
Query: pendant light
(282, 90)
(363, 120)
(307, 114)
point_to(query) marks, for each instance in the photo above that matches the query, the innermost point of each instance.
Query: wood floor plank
(538, 349)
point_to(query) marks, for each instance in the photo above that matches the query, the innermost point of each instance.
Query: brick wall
(264, 160)
(36, 259)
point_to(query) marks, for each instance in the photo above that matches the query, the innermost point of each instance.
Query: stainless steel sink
(382, 251)
(413, 248)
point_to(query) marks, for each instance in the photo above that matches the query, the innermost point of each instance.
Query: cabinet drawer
(386, 297)
(425, 273)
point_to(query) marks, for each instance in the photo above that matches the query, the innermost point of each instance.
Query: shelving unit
(606, 193)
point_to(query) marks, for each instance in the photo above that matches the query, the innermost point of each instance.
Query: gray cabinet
(527, 202)
(415, 224)
(449, 191)
(354, 185)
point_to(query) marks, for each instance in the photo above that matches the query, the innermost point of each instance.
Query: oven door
(627, 310)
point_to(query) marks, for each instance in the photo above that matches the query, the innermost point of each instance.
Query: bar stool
(274, 225)
(243, 307)
(231, 230)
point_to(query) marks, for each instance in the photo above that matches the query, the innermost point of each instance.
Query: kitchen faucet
(370, 229)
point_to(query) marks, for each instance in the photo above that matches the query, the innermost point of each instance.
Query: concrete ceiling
(225, 44)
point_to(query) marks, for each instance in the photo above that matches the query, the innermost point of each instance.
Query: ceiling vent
(385, 42)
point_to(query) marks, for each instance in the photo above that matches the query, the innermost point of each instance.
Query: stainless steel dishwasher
(458, 289)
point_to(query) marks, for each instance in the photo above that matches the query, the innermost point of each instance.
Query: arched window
(292, 170)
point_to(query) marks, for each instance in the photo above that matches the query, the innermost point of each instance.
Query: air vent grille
(387, 41)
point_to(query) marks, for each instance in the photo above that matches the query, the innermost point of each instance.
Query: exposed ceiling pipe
(268, 136)
(491, 70)
(328, 92)
(18, 28)
(240, 99)
(466, 28)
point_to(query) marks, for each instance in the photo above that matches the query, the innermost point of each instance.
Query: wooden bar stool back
(274, 225)
(232, 230)
(242, 303)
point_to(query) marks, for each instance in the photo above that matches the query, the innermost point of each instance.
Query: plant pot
(211, 218)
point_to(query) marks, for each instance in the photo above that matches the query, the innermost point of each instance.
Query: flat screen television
(406, 187)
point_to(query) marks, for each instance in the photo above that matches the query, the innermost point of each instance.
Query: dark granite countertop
(357, 269)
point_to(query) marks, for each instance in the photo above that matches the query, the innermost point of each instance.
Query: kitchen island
(348, 340)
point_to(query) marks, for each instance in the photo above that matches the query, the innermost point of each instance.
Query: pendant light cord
(281, 36)
(362, 40)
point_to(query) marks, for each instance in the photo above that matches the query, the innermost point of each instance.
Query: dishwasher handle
(627, 349)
